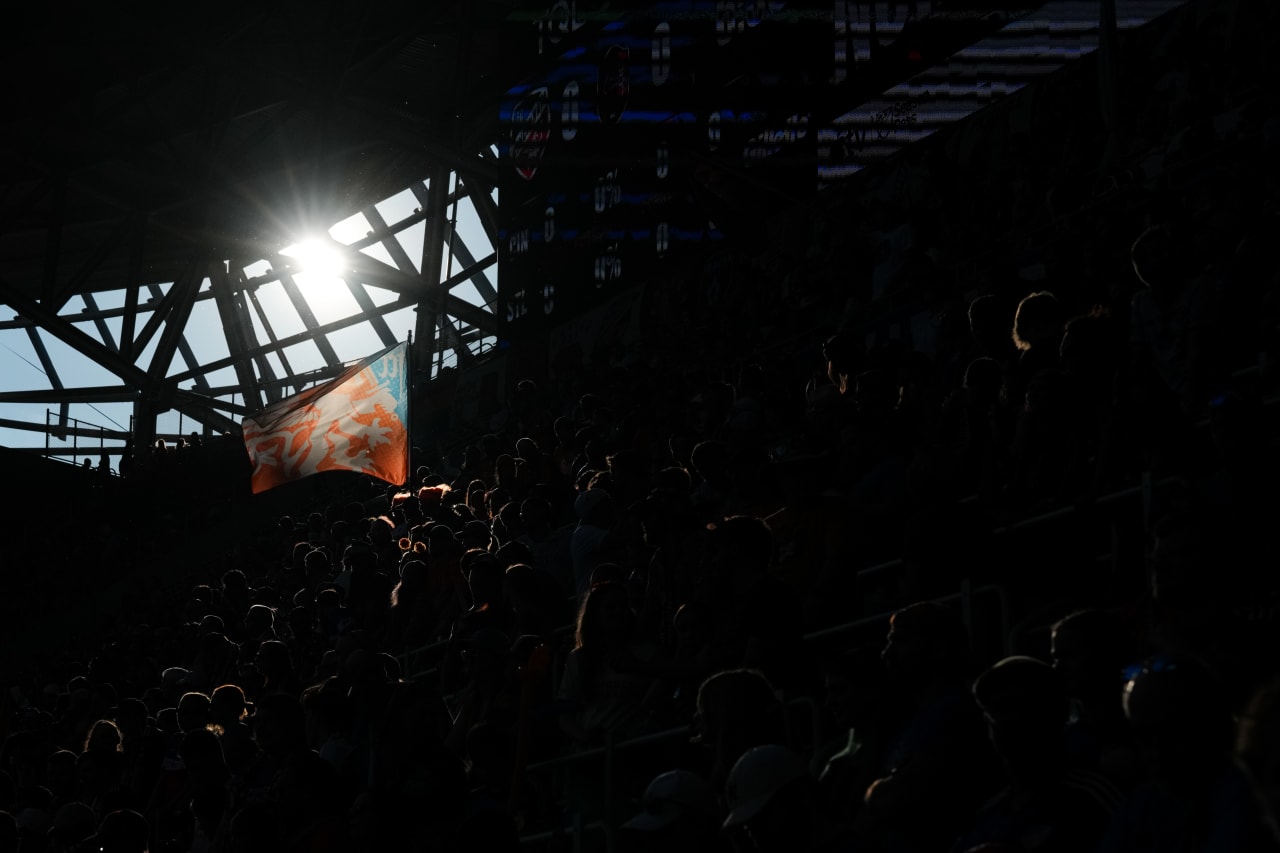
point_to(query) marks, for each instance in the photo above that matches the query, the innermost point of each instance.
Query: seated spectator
(411, 617)
(1089, 649)
(600, 687)
(679, 813)
(1258, 751)
(773, 808)
(229, 713)
(207, 783)
(535, 601)
(937, 759)
(488, 692)
(1047, 799)
(72, 824)
(1038, 326)
(590, 544)
(756, 617)
(121, 831)
(855, 720)
(1192, 795)
(737, 709)
(60, 776)
(1172, 323)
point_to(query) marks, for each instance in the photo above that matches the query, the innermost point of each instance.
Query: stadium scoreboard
(633, 135)
(641, 134)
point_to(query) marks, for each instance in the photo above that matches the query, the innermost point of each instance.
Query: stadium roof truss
(159, 180)
(154, 190)
(143, 334)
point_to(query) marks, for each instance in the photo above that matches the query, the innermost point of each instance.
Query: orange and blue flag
(357, 421)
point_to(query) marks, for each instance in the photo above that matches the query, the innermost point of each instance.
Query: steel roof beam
(50, 371)
(301, 337)
(158, 315)
(481, 281)
(76, 283)
(81, 432)
(486, 208)
(53, 239)
(266, 373)
(98, 322)
(185, 289)
(133, 376)
(370, 312)
(238, 330)
(138, 235)
(58, 394)
(78, 340)
(19, 322)
(390, 241)
(303, 308)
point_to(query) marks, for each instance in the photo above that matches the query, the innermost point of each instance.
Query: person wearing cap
(773, 806)
(1194, 793)
(1046, 797)
(679, 813)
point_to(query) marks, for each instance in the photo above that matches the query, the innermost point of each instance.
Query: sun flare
(316, 258)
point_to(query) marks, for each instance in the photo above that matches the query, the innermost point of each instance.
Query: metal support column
(431, 303)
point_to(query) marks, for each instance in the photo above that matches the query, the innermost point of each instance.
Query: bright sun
(316, 258)
(319, 271)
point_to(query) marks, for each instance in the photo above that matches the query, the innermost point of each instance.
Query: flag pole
(408, 409)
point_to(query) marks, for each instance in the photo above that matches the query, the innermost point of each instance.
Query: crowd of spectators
(764, 566)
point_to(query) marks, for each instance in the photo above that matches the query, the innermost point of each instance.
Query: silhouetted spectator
(771, 798)
(937, 761)
(679, 813)
(602, 691)
(1047, 799)
(737, 709)
(1038, 325)
(1192, 795)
